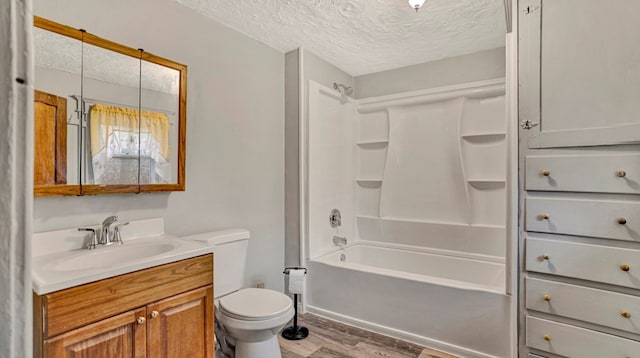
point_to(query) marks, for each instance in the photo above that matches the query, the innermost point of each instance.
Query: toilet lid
(255, 304)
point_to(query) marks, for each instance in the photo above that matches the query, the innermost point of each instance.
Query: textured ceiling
(365, 36)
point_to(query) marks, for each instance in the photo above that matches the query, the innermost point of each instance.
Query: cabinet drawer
(588, 262)
(601, 307)
(571, 341)
(617, 220)
(584, 173)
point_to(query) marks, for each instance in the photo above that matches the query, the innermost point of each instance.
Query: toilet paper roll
(296, 281)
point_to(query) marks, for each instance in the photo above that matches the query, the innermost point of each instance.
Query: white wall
(479, 66)
(16, 126)
(316, 69)
(235, 126)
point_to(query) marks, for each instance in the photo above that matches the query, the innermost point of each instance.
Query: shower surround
(420, 179)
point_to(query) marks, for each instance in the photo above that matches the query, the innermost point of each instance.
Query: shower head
(344, 90)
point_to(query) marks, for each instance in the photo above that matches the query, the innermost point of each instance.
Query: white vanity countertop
(67, 264)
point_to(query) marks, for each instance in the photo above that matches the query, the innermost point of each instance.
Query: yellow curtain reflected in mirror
(119, 136)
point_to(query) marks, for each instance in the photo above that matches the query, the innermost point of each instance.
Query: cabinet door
(579, 73)
(120, 336)
(182, 326)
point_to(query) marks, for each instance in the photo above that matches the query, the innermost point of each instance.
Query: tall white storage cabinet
(580, 186)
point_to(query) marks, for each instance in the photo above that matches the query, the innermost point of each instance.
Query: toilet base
(265, 349)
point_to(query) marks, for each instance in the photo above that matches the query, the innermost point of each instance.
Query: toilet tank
(230, 258)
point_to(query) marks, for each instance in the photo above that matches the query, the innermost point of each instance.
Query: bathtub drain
(343, 257)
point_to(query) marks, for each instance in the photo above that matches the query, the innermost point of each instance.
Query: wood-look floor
(330, 339)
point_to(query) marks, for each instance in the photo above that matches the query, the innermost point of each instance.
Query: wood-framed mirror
(108, 118)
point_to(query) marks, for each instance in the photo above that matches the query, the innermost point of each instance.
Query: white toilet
(251, 317)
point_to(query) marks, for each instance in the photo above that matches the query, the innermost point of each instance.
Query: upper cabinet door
(580, 72)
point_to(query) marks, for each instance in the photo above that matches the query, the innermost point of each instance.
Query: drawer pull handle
(625, 314)
(625, 267)
(545, 256)
(546, 298)
(621, 174)
(621, 221)
(547, 338)
(141, 320)
(544, 217)
(545, 172)
(154, 314)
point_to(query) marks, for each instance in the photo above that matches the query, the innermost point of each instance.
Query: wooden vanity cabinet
(163, 311)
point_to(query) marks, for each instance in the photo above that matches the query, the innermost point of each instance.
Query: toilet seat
(255, 304)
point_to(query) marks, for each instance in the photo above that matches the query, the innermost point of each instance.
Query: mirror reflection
(159, 120)
(111, 100)
(57, 124)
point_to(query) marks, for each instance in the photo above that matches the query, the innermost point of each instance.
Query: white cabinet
(580, 79)
(579, 113)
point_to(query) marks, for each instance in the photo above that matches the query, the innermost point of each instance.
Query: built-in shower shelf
(484, 137)
(487, 183)
(373, 143)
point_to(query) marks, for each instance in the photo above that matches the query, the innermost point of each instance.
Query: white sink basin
(113, 255)
(63, 269)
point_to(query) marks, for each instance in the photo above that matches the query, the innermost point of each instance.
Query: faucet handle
(117, 236)
(93, 241)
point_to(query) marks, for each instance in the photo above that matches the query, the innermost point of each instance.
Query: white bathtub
(444, 302)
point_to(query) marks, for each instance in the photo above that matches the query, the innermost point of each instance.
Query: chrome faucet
(339, 240)
(105, 233)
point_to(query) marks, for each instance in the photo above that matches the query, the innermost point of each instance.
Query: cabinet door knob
(543, 216)
(621, 221)
(545, 172)
(625, 267)
(625, 314)
(547, 338)
(141, 320)
(545, 256)
(546, 298)
(154, 314)
(621, 174)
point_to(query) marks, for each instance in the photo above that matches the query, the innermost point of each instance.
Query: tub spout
(339, 240)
